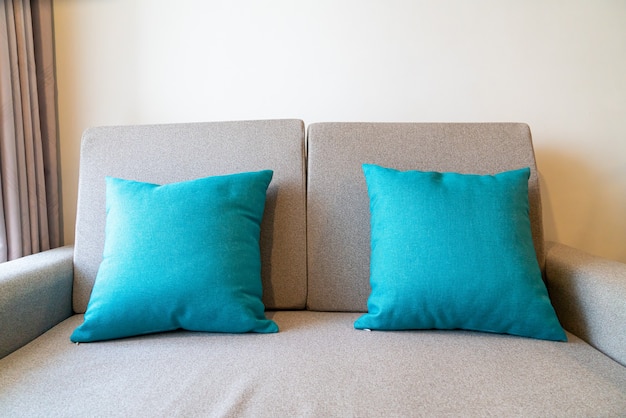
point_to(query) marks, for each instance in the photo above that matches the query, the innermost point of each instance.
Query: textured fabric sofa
(315, 260)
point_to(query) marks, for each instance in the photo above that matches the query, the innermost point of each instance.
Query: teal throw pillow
(454, 251)
(180, 256)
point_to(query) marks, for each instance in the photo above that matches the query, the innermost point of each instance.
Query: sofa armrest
(35, 295)
(589, 296)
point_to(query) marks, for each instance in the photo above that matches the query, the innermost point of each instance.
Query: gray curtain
(30, 213)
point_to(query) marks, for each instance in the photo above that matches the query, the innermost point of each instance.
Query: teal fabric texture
(180, 256)
(454, 251)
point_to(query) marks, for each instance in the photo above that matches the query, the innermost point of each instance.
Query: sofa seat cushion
(318, 365)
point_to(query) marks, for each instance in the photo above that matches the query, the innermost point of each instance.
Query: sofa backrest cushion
(338, 228)
(175, 152)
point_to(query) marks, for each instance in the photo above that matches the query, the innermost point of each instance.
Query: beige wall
(558, 65)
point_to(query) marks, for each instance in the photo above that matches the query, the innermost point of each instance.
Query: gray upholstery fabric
(35, 295)
(338, 205)
(317, 366)
(589, 295)
(168, 153)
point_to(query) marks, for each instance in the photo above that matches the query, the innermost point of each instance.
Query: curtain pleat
(43, 34)
(28, 143)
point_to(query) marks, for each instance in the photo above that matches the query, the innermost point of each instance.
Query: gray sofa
(315, 253)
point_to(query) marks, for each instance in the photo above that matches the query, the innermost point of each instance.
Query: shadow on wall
(582, 205)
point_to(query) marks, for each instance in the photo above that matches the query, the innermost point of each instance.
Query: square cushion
(454, 251)
(182, 255)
